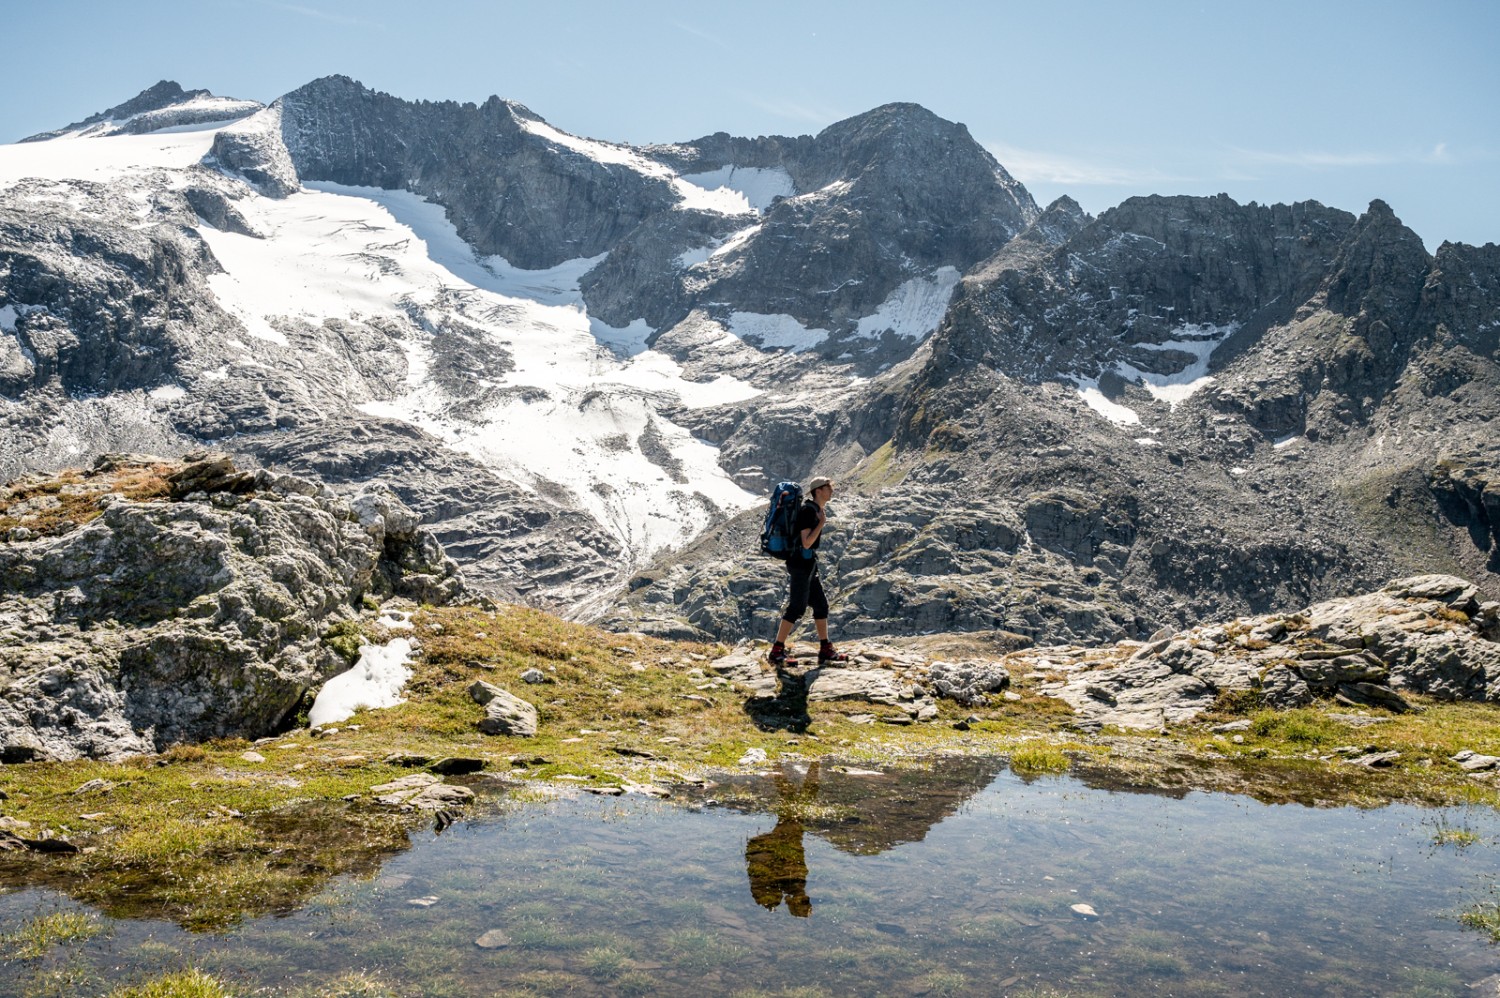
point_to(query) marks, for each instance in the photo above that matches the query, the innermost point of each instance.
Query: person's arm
(810, 535)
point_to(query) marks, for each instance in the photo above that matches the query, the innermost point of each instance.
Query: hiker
(802, 571)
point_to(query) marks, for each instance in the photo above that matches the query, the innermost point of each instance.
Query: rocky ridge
(163, 105)
(1326, 429)
(148, 602)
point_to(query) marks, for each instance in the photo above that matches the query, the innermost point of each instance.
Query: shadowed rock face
(166, 620)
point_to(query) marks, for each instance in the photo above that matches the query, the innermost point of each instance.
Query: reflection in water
(955, 878)
(775, 862)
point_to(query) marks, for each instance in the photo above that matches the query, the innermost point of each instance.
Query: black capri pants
(806, 590)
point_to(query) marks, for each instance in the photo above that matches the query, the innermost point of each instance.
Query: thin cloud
(1033, 166)
(322, 15)
(1314, 159)
(794, 111)
(699, 33)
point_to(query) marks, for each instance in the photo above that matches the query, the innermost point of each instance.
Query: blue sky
(1340, 102)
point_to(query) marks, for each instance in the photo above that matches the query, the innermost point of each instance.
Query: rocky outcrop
(1428, 634)
(887, 197)
(253, 149)
(134, 615)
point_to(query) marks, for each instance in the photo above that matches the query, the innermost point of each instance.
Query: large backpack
(778, 537)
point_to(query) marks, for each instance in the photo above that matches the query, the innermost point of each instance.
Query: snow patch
(1199, 340)
(772, 331)
(167, 393)
(759, 186)
(735, 241)
(915, 308)
(375, 681)
(1287, 441)
(8, 317)
(693, 257)
(1088, 390)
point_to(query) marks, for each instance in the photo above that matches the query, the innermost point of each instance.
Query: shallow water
(954, 880)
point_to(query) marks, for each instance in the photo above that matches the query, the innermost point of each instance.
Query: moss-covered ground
(204, 836)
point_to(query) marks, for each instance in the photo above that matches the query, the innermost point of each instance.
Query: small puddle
(957, 878)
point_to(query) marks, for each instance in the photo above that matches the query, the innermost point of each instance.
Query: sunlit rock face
(195, 605)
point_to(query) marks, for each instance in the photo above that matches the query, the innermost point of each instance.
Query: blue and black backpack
(778, 537)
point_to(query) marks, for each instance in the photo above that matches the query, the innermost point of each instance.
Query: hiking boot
(829, 655)
(779, 656)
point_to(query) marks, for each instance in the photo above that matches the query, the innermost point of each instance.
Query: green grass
(1035, 758)
(37, 936)
(179, 984)
(1301, 726)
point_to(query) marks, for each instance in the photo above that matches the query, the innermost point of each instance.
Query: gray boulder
(504, 713)
(165, 620)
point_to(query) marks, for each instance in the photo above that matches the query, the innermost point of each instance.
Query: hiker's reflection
(774, 862)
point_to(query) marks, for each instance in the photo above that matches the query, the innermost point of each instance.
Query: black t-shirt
(807, 519)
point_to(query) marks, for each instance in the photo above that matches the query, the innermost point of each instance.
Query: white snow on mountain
(772, 331)
(581, 420)
(758, 185)
(188, 115)
(721, 200)
(1199, 341)
(375, 682)
(915, 308)
(577, 418)
(1120, 415)
(103, 159)
(735, 241)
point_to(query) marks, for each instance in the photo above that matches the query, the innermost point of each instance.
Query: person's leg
(819, 603)
(800, 578)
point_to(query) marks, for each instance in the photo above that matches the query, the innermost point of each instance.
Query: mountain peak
(161, 94)
(158, 106)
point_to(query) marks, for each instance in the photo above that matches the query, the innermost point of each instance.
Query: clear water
(955, 880)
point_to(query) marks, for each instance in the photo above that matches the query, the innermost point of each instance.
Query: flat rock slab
(746, 668)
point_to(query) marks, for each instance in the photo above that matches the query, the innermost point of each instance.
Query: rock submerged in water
(196, 613)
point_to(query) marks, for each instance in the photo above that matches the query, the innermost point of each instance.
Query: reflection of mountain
(861, 814)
